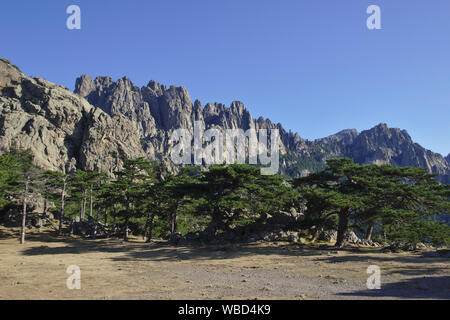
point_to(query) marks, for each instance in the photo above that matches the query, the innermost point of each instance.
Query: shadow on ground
(437, 287)
(163, 251)
(420, 263)
(411, 266)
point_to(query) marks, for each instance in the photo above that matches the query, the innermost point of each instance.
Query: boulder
(352, 238)
(328, 236)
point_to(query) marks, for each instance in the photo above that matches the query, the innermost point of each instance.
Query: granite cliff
(62, 129)
(104, 122)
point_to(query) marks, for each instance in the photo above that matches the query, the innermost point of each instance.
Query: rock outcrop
(106, 121)
(63, 130)
(157, 110)
(383, 145)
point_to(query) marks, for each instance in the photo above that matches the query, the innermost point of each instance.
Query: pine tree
(132, 180)
(23, 187)
(56, 186)
(403, 197)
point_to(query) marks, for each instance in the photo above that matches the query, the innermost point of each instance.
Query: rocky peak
(119, 119)
(382, 144)
(84, 85)
(345, 137)
(175, 108)
(381, 136)
(63, 131)
(157, 110)
(155, 88)
(9, 74)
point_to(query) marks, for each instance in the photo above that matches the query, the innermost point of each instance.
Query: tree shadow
(436, 287)
(6, 235)
(418, 263)
(164, 251)
(415, 267)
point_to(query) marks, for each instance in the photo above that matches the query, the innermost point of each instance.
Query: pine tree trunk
(128, 207)
(83, 207)
(147, 220)
(24, 213)
(125, 234)
(61, 216)
(106, 217)
(369, 232)
(45, 205)
(91, 204)
(71, 227)
(174, 226)
(150, 228)
(342, 228)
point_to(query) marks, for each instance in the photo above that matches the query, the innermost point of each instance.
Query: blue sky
(311, 65)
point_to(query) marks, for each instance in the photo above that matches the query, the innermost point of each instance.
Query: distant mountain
(106, 121)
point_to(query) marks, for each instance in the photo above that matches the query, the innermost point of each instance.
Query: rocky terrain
(105, 121)
(63, 130)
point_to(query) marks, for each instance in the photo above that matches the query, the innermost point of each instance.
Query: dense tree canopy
(399, 199)
(389, 203)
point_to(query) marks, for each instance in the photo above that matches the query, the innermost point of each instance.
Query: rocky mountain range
(104, 122)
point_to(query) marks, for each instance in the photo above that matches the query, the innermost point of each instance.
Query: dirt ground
(111, 269)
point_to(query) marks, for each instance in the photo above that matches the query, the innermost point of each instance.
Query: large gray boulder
(63, 130)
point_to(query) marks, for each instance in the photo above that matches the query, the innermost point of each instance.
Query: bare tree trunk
(24, 213)
(83, 207)
(342, 228)
(125, 236)
(45, 205)
(150, 228)
(106, 217)
(174, 226)
(128, 206)
(63, 195)
(146, 226)
(71, 227)
(90, 203)
(369, 232)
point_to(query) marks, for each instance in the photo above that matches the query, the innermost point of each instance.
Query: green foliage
(236, 193)
(13, 167)
(405, 204)
(400, 198)
(299, 164)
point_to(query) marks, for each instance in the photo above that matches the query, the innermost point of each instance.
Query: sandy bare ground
(111, 269)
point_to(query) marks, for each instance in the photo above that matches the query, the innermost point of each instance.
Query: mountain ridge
(150, 113)
(379, 144)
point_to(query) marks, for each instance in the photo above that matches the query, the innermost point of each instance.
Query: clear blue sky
(311, 65)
